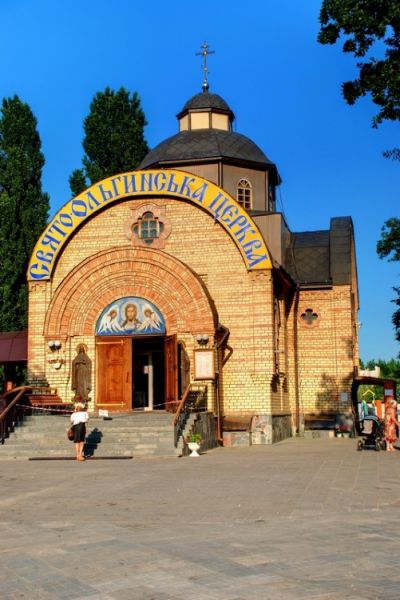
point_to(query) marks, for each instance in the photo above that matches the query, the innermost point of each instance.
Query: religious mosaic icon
(130, 316)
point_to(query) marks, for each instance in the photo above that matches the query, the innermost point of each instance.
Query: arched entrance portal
(136, 362)
(132, 346)
(137, 373)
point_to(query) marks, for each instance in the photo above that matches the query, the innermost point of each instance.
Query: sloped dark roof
(322, 257)
(308, 257)
(206, 100)
(13, 347)
(342, 246)
(203, 144)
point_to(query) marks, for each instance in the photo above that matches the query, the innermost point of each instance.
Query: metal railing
(193, 400)
(13, 412)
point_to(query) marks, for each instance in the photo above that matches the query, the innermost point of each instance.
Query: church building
(181, 280)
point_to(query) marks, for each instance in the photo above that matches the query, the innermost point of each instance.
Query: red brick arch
(111, 274)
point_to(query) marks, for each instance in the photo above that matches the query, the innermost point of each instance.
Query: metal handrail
(181, 404)
(8, 417)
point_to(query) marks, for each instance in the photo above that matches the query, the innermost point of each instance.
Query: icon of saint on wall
(81, 374)
(131, 322)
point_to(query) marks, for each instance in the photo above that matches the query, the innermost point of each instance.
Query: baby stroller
(372, 433)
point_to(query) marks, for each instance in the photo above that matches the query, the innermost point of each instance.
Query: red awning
(13, 347)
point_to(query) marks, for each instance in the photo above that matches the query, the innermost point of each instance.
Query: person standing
(391, 423)
(79, 420)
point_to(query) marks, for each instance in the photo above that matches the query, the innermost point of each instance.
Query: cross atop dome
(205, 51)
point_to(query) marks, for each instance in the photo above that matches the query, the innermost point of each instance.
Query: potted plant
(193, 441)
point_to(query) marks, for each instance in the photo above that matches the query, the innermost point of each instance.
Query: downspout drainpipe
(219, 343)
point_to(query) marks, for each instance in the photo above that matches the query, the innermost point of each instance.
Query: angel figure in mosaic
(109, 322)
(150, 320)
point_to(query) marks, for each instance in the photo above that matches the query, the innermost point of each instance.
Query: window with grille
(244, 193)
(148, 228)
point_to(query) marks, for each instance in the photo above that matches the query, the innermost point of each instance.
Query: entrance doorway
(148, 370)
(137, 373)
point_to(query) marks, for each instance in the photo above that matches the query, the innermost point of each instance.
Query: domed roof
(205, 100)
(204, 144)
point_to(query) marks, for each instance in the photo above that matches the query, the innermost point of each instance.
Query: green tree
(371, 26)
(389, 247)
(390, 369)
(368, 24)
(23, 207)
(114, 139)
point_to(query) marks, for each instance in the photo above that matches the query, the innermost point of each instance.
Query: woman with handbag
(79, 419)
(391, 423)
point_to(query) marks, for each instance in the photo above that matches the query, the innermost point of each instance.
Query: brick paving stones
(306, 519)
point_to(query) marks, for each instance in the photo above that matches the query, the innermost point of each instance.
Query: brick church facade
(181, 275)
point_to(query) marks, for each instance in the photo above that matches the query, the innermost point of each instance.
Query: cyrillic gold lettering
(52, 242)
(105, 194)
(114, 181)
(252, 257)
(218, 208)
(240, 234)
(129, 184)
(172, 186)
(252, 244)
(56, 228)
(199, 194)
(229, 212)
(46, 257)
(66, 220)
(146, 182)
(39, 271)
(159, 186)
(185, 189)
(91, 199)
(257, 259)
(78, 207)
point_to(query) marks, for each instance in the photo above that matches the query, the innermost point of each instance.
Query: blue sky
(283, 87)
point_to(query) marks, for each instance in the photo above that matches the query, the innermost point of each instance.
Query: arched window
(148, 228)
(244, 193)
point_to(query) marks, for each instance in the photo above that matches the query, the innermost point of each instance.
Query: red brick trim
(111, 274)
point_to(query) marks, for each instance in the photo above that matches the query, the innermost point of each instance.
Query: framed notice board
(204, 364)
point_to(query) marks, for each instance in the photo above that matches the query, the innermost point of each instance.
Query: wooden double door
(136, 373)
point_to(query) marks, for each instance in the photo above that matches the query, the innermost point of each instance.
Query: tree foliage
(368, 24)
(371, 25)
(389, 244)
(389, 247)
(390, 369)
(114, 139)
(23, 207)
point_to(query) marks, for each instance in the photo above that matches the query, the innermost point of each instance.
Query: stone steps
(141, 435)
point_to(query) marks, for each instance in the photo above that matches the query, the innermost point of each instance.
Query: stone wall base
(264, 429)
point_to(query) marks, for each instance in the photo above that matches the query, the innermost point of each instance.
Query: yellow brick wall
(326, 351)
(204, 246)
(315, 364)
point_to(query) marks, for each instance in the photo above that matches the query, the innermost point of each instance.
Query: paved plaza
(303, 519)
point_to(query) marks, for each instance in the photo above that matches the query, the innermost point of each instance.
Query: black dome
(201, 144)
(206, 100)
